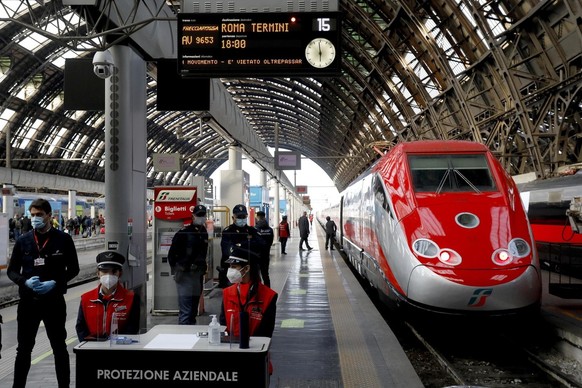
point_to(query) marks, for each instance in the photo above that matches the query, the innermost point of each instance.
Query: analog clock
(320, 52)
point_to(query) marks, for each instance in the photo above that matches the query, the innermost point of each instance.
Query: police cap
(110, 260)
(199, 210)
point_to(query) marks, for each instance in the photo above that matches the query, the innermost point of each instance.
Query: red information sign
(174, 202)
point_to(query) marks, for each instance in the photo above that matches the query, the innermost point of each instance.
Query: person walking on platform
(284, 234)
(304, 231)
(235, 234)
(187, 259)
(330, 231)
(96, 309)
(42, 262)
(249, 296)
(267, 234)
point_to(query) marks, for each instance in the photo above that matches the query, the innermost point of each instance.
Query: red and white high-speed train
(439, 225)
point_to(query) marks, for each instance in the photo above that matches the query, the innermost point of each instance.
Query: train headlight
(502, 257)
(449, 257)
(519, 248)
(425, 248)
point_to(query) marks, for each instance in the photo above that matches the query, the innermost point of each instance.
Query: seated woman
(108, 299)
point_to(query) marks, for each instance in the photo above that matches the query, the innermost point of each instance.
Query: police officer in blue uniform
(267, 234)
(237, 234)
(187, 259)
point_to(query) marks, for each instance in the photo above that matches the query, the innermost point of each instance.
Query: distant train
(59, 203)
(548, 201)
(440, 226)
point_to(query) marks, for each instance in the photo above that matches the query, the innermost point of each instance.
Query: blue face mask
(199, 220)
(240, 222)
(37, 222)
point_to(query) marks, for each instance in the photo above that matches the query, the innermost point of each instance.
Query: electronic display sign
(259, 44)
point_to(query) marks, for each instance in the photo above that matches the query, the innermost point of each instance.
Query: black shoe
(283, 253)
(301, 249)
(325, 247)
(332, 249)
(309, 248)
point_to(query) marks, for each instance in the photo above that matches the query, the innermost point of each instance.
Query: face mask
(234, 275)
(240, 222)
(199, 220)
(37, 222)
(108, 281)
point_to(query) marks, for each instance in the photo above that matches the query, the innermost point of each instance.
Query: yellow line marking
(46, 354)
(292, 324)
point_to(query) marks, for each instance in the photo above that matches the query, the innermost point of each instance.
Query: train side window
(380, 195)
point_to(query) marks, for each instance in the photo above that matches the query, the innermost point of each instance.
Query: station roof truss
(504, 73)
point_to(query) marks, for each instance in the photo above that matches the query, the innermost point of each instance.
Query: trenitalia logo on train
(439, 226)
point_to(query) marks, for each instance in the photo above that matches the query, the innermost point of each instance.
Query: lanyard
(36, 241)
(249, 296)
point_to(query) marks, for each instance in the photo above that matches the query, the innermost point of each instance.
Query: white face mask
(199, 220)
(108, 281)
(234, 275)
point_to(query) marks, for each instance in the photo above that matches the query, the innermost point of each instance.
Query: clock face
(320, 52)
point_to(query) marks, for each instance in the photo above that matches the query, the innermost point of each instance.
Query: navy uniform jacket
(189, 248)
(246, 237)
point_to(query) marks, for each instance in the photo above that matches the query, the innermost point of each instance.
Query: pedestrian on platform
(187, 259)
(42, 262)
(330, 231)
(284, 234)
(304, 231)
(233, 235)
(108, 303)
(267, 234)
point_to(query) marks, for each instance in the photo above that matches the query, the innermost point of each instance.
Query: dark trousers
(264, 267)
(189, 286)
(283, 241)
(304, 239)
(329, 240)
(51, 310)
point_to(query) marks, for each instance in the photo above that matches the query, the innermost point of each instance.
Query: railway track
(472, 356)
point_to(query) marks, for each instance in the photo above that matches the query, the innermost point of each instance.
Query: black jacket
(189, 248)
(59, 261)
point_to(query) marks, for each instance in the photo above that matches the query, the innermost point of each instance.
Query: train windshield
(450, 173)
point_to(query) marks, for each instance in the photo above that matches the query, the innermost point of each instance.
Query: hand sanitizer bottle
(214, 331)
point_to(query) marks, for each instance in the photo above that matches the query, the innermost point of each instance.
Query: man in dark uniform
(42, 262)
(330, 230)
(266, 233)
(187, 259)
(236, 234)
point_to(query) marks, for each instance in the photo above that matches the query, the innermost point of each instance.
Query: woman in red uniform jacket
(110, 297)
(248, 293)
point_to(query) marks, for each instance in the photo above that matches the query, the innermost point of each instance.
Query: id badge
(39, 261)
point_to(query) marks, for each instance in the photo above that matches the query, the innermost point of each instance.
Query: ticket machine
(173, 207)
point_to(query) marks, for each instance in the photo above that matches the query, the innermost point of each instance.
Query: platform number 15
(323, 24)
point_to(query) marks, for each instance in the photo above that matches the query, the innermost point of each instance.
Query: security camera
(103, 64)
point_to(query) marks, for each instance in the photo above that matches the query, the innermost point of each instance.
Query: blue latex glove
(44, 287)
(32, 282)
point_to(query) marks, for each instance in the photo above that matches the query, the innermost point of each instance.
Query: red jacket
(261, 307)
(284, 229)
(94, 318)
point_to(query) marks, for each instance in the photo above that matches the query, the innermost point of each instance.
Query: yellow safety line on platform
(46, 354)
(355, 359)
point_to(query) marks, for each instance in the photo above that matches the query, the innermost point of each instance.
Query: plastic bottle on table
(214, 331)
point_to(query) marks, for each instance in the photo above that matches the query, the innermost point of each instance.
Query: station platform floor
(328, 333)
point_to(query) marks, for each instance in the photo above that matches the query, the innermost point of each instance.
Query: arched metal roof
(506, 73)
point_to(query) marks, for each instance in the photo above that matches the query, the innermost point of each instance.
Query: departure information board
(259, 44)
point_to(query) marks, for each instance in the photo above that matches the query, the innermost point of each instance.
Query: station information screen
(259, 44)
